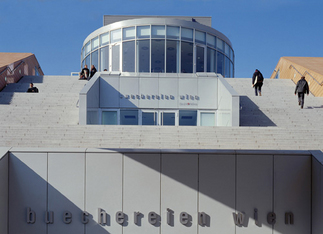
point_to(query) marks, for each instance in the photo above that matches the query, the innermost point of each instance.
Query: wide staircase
(50, 119)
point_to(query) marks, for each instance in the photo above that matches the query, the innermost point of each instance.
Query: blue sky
(261, 31)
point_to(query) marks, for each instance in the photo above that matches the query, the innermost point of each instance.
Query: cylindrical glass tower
(158, 45)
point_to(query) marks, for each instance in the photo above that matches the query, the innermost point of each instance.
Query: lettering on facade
(159, 97)
(154, 219)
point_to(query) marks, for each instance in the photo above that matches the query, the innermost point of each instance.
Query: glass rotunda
(158, 44)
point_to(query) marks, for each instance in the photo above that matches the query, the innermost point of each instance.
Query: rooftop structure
(295, 67)
(170, 44)
(13, 66)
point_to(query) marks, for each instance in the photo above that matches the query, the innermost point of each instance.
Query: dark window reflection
(157, 55)
(227, 67)
(199, 59)
(220, 63)
(143, 55)
(211, 60)
(172, 56)
(187, 57)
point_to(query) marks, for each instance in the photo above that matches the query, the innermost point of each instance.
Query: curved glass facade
(158, 48)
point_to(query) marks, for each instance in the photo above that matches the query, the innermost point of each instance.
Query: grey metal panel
(149, 86)
(4, 183)
(168, 86)
(28, 188)
(109, 92)
(66, 191)
(208, 93)
(179, 191)
(217, 192)
(292, 193)
(317, 204)
(254, 191)
(141, 192)
(103, 190)
(129, 86)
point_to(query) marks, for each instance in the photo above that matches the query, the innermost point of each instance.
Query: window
(172, 56)
(143, 32)
(207, 119)
(149, 118)
(129, 33)
(95, 43)
(94, 59)
(128, 56)
(227, 67)
(227, 49)
(220, 44)
(143, 55)
(200, 37)
(210, 40)
(211, 60)
(172, 32)
(87, 48)
(157, 55)
(158, 31)
(116, 57)
(92, 117)
(186, 57)
(199, 59)
(105, 58)
(104, 39)
(187, 118)
(220, 63)
(187, 34)
(128, 117)
(115, 35)
(109, 118)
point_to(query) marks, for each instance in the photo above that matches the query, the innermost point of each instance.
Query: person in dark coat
(32, 89)
(84, 74)
(301, 89)
(257, 81)
(93, 71)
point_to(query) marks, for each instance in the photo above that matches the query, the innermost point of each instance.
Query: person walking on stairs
(301, 89)
(257, 82)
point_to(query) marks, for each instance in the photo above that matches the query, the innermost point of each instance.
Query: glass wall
(159, 49)
(154, 117)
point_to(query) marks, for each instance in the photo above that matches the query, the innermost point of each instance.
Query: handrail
(11, 71)
(305, 73)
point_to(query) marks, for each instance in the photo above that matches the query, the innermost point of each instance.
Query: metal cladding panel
(179, 192)
(141, 193)
(28, 189)
(103, 191)
(254, 191)
(109, 92)
(217, 193)
(208, 93)
(317, 197)
(167, 87)
(4, 183)
(189, 91)
(292, 193)
(150, 89)
(66, 191)
(129, 86)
